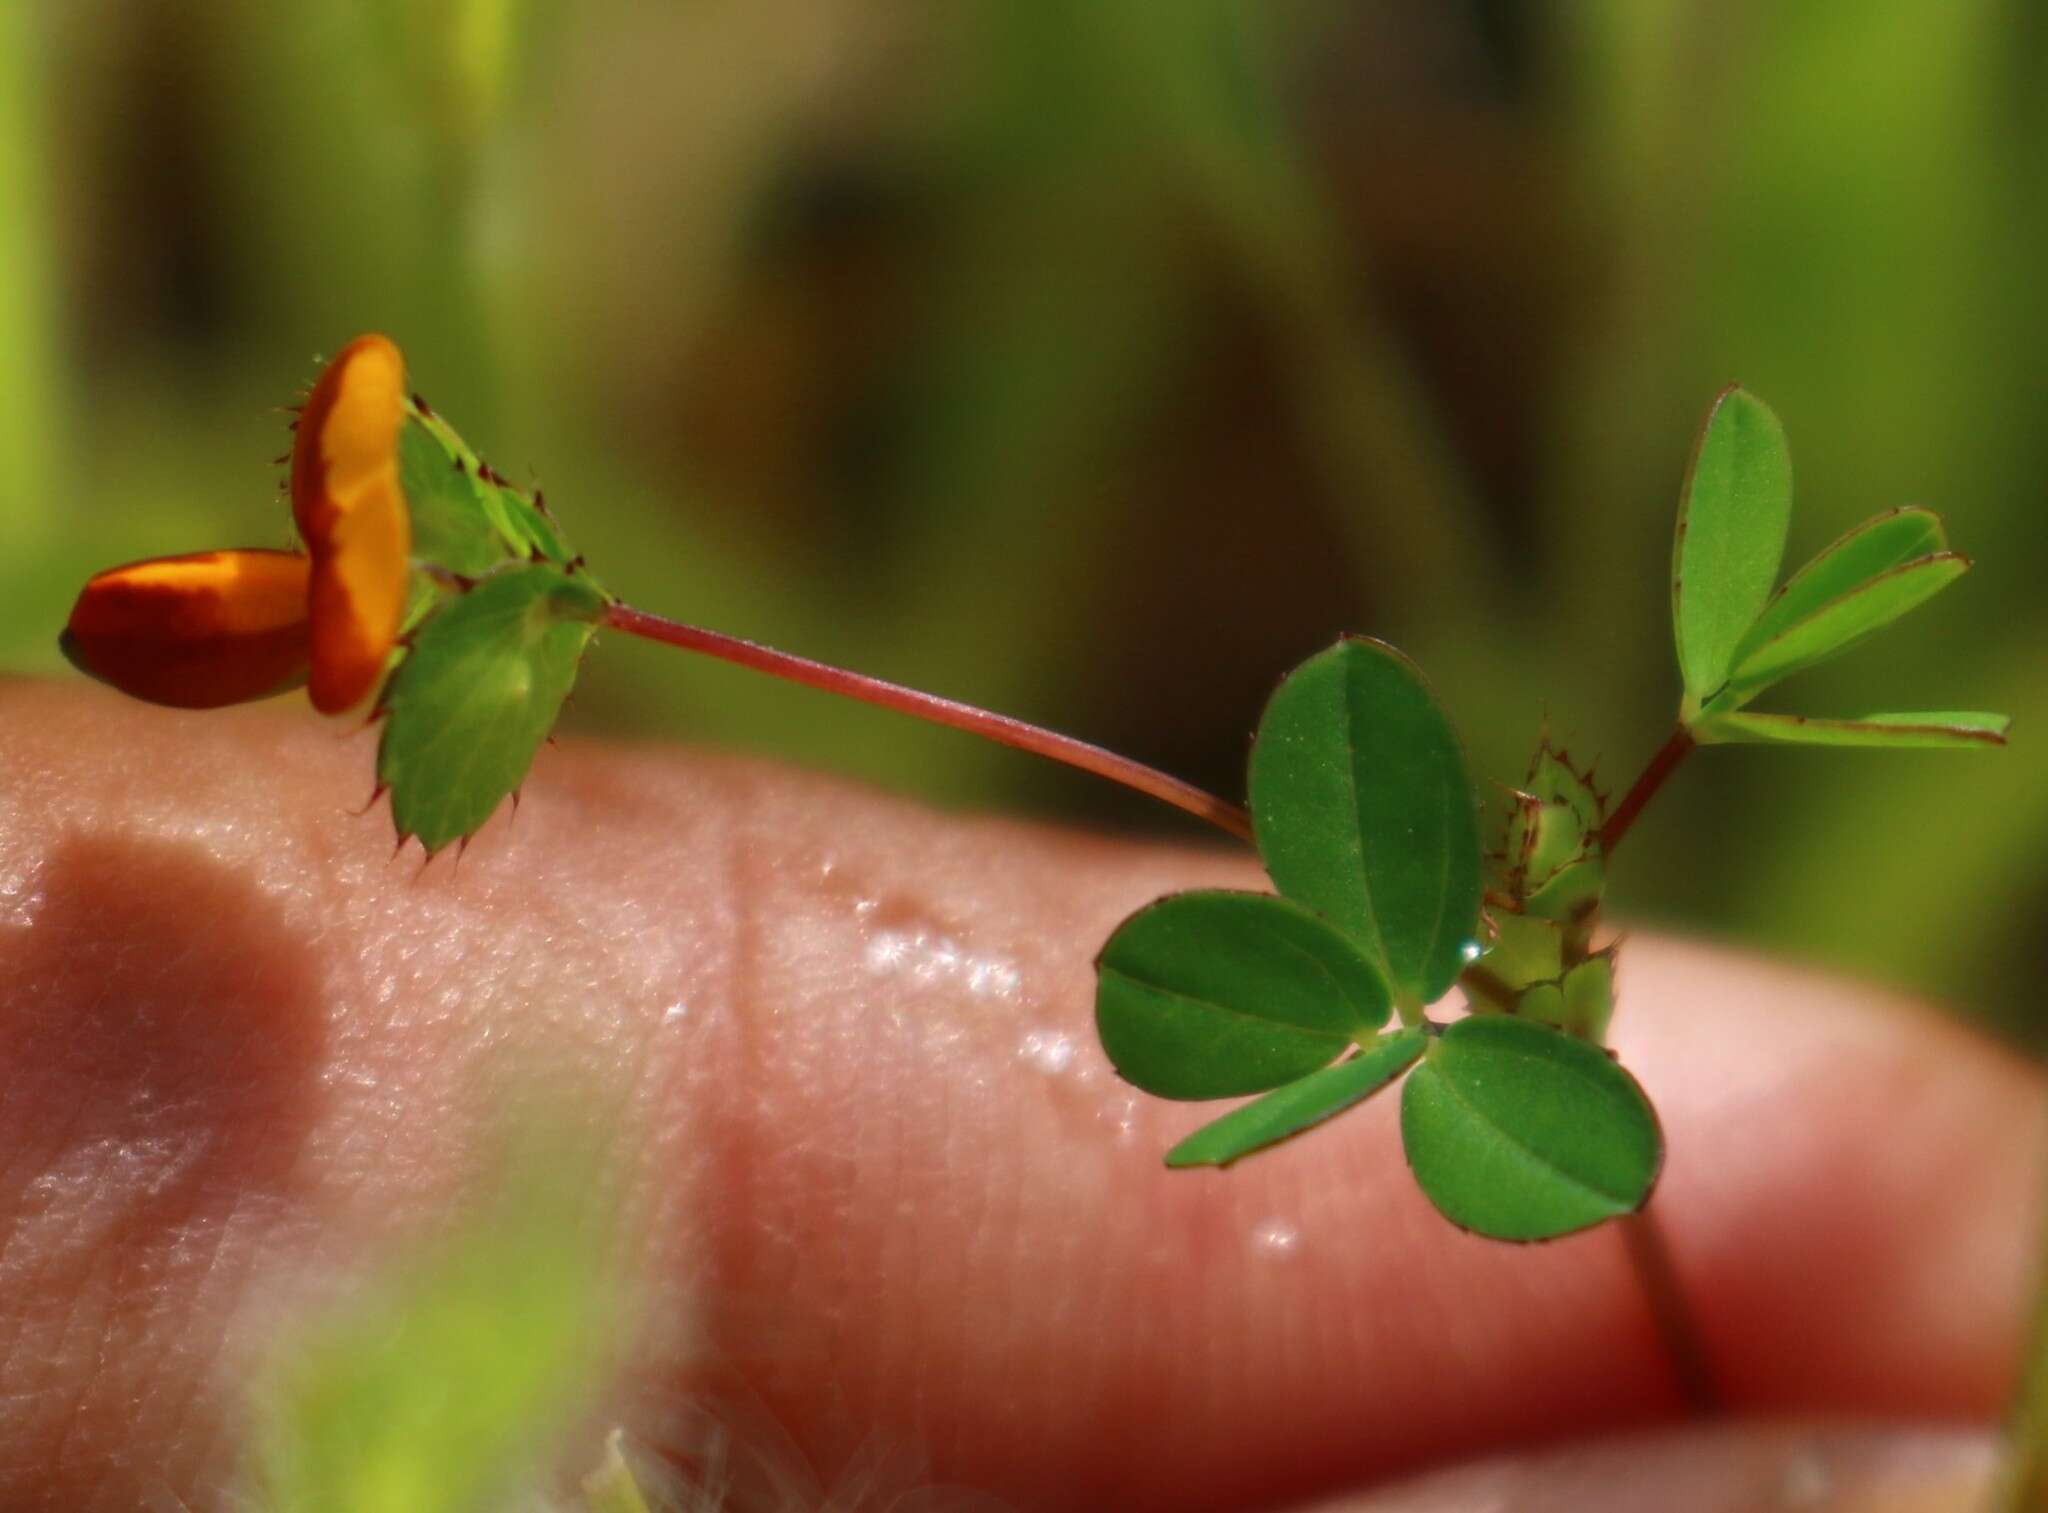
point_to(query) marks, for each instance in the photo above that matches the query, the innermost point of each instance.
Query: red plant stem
(1649, 1257)
(1662, 765)
(940, 711)
(1664, 1295)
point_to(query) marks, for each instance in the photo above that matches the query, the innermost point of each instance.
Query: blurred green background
(1095, 360)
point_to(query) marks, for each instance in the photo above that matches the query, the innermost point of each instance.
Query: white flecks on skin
(1048, 1051)
(924, 956)
(1275, 1239)
(1120, 1112)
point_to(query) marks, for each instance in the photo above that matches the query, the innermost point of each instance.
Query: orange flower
(195, 632)
(214, 628)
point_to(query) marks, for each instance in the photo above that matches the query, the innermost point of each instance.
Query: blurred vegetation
(1097, 362)
(447, 1385)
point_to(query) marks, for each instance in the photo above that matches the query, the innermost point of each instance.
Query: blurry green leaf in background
(1098, 363)
(447, 1387)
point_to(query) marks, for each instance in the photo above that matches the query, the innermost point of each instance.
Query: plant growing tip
(1516, 1122)
(1736, 638)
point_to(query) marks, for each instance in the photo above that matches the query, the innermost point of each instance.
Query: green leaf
(1878, 545)
(1364, 813)
(1520, 1132)
(1308, 1101)
(1215, 994)
(1839, 624)
(1733, 514)
(477, 692)
(440, 1390)
(1935, 728)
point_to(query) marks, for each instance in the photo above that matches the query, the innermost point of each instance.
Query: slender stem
(1648, 1254)
(1650, 1257)
(1662, 765)
(940, 711)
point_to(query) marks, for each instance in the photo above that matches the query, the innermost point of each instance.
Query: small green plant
(1365, 819)
(1516, 1122)
(451, 603)
(428, 590)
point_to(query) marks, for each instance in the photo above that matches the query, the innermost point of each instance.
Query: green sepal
(1305, 1102)
(1832, 628)
(1571, 893)
(1363, 812)
(466, 519)
(1544, 1002)
(1589, 997)
(1552, 865)
(452, 530)
(1556, 820)
(1543, 837)
(1580, 1001)
(476, 693)
(1526, 949)
(1733, 515)
(1519, 1132)
(1947, 729)
(423, 595)
(1215, 994)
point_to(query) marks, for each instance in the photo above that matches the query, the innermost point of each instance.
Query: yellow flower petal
(352, 515)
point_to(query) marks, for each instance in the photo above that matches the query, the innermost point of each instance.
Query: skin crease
(884, 1187)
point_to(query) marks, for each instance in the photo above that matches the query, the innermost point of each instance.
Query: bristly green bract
(500, 614)
(478, 690)
(466, 519)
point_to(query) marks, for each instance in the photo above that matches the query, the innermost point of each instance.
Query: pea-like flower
(207, 629)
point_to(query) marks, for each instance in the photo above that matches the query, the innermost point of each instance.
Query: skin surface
(885, 1189)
